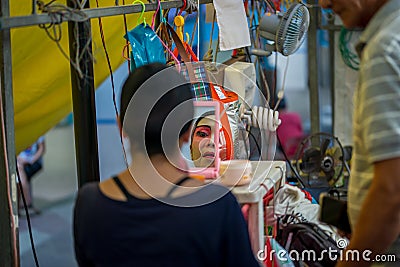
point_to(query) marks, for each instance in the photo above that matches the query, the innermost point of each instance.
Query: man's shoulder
(387, 40)
(208, 196)
(88, 191)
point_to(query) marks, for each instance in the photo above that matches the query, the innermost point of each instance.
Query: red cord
(183, 7)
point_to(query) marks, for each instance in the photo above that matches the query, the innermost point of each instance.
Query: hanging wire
(264, 80)
(59, 11)
(255, 141)
(271, 5)
(191, 6)
(251, 15)
(166, 43)
(350, 58)
(258, 11)
(216, 51)
(194, 29)
(126, 33)
(13, 221)
(28, 220)
(163, 19)
(33, 7)
(297, 176)
(208, 56)
(85, 49)
(281, 93)
(103, 41)
(53, 30)
(81, 4)
(275, 80)
(252, 28)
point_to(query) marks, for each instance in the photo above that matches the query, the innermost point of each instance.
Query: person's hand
(265, 118)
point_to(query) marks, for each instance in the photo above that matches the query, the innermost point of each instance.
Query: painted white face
(202, 146)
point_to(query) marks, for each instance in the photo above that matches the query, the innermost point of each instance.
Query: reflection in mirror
(202, 147)
(200, 153)
(246, 122)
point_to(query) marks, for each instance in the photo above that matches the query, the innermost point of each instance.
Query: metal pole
(313, 69)
(9, 249)
(83, 99)
(44, 18)
(332, 33)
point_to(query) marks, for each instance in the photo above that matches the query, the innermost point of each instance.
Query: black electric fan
(319, 160)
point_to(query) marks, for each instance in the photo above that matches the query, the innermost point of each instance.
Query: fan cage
(292, 29)
(310, 142)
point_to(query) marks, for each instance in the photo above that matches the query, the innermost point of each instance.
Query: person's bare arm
(379, 222)
(39, 152)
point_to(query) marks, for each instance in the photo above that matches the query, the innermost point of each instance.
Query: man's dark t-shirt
(149, 232)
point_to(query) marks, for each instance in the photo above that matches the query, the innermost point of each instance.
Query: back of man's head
(156, 108)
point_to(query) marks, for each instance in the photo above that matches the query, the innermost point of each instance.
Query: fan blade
(311, 160)
(329, 174)
(310, 166)
(324, 147)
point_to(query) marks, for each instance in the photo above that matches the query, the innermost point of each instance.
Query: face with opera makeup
(202, 146)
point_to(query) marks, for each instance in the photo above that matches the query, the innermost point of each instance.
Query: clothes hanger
(141, 18)
(177, 63)
(125, 49)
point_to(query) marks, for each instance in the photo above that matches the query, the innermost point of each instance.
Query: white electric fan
(286, 32)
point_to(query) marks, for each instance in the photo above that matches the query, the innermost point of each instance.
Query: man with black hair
(153, 213)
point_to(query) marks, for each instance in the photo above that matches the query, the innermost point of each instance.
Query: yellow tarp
(41, 74)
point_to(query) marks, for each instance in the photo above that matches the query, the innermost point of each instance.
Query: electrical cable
(208, 56)
(216, 49)
(7, 170)
(289, 163)
(103, 41)
(126, 40)
(251, 16)
(28, 220)
(190, 6)
(265, 83)
(247, 51)
(281, 92)
(275, 80)
(255, 141)
(270, 5)
(257, 82)
(33, 7)
(257, 58)
(57, 12)
(194, 30)
(350, 58)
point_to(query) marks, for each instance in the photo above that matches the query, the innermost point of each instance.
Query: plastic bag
(146, 46)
